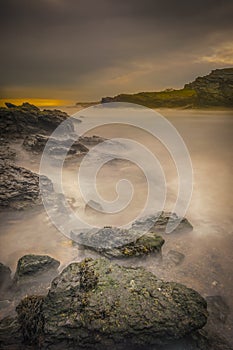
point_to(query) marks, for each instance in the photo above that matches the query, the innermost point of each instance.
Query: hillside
(212, 90)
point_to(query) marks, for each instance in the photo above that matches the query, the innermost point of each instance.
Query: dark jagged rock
(31, 320)
(33, 276)
(36, 143)
(158, 223)
(6, 153)
(95, 304)
(11, 337)
(5, 276)
(18, 121)
(91, 140)
(32, 265)
(113, 242)
(20, 187)
(214, 89)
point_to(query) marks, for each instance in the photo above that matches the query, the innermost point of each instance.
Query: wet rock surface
(95, 304)
(113, 242)
(32, 265)
(20, 187)
(33, 276)
(6, 152)
(36, 143)
(5, 276)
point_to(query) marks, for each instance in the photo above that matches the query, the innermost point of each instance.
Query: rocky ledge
(36, 143)
(17, 121)
(20, 187)
(95, 304)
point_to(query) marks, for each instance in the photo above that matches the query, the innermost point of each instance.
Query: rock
(10, 334)
(214, 89)
(217, 308)
(20, 187)
(31, 319)
(173, 258)
(113, 242)
(6, 153)
(33, 276)
(32, 265)
(96, 304)
(158, 222)
(5, 276)
(91, 140)
(92, 205)
(10, 105)
(36, 143)
(18, 121)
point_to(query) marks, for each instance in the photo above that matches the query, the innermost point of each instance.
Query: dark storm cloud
(71, 44)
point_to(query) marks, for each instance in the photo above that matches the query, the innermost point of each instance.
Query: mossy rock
(127, 306)
(32, 265)
(113, 242)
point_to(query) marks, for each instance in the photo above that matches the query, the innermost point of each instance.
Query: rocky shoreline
(95, 303)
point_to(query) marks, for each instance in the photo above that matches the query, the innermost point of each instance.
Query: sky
(82, 50)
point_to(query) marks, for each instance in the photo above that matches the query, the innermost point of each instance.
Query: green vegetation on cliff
(214, 89)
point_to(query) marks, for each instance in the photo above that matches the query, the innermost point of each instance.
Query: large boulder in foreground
(114, 242)
(97, 304)
(20, 187)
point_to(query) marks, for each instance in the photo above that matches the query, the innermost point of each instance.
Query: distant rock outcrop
(212, 90)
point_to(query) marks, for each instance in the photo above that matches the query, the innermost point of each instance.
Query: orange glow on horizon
(39, 102)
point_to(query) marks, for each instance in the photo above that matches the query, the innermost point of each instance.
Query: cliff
(212, 90)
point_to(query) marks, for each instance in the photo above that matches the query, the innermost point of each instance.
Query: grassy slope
(173, 98)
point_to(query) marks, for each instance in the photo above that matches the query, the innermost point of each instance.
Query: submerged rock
(93, 205)
(158, 223)
(91, 140)
(32, 265)
(96, 304)
(36, 143)
(173, 258)
(5, 276)
(119, 243)
(218, 308)
(20, 186)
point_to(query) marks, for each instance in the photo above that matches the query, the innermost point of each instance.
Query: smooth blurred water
(208, 264)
